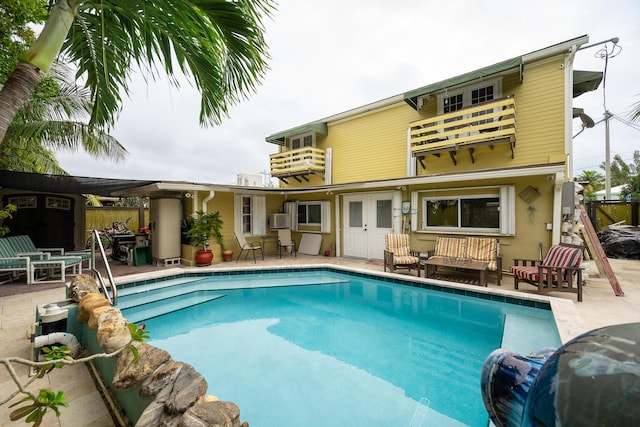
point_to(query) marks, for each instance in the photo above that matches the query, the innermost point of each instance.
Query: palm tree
(51, 122)
(593, 181)
(218, 43)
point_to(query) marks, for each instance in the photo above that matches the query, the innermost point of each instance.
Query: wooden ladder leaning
(597, 252)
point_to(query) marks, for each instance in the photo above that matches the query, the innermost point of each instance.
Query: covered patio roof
(66, 184)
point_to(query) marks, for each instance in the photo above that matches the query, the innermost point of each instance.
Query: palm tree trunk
(15, 92)
(36, 61)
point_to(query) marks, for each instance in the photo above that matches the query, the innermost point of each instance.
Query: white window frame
(258, 214)
(466, 92)
(507, 209)
(301, 138)
(325, 215)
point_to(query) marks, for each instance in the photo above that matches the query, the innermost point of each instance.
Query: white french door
(366, 220)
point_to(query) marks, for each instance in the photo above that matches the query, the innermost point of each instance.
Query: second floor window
(304, 140)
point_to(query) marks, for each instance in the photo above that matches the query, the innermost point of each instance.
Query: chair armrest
(59, 251)
(414, 253)
(431, 252)
(34, 255)
(525, 262)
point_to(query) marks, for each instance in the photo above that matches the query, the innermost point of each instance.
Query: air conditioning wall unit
(279, 220)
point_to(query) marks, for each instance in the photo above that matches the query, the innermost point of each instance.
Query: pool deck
(600, 307)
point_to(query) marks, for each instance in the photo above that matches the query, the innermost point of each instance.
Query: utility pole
(607, 161)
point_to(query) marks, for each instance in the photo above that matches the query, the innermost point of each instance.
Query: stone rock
(154, 416)
(81, 285)
(112, 330)
(212, 414)
(87, 304)
(188, 388)
(95, 314)
(161, 378)
(129, 374)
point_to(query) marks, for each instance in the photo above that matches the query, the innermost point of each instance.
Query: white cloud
(336, 55)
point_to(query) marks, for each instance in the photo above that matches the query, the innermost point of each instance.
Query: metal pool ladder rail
(420, 413)
(96, 241)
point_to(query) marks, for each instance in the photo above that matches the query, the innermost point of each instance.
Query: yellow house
(483, 153)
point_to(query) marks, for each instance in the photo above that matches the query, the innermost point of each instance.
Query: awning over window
(65, 184)
(585, 81)
(411, 97)
(279, 138)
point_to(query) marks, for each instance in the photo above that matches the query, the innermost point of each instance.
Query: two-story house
(481, 153)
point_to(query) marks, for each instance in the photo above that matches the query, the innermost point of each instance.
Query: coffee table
(431, 266)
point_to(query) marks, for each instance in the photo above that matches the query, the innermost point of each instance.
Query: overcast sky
(331, 56)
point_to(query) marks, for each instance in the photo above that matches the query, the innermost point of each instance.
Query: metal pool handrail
(95, 238)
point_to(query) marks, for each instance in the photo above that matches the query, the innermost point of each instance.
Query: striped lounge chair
(559, 271)
(397, 254)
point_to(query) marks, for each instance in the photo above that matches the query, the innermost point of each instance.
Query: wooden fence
(98, 218)
(606, 212)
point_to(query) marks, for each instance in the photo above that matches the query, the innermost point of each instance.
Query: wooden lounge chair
(559, 271)
(246, 247)
(285, 241)
(397, 254)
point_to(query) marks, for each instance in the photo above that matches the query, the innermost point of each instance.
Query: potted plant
(202, 227)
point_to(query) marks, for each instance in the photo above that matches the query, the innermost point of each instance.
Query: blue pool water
(351, 351)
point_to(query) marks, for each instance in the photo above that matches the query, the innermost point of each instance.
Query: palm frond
(218, 43)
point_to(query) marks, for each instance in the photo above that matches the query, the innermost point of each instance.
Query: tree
(52, 120)
(219, 44)
(593, 181)
(54, 116)
(627, 174)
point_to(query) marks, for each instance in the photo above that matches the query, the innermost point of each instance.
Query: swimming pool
(353, 350)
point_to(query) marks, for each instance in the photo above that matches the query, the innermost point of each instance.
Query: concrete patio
(86, 407)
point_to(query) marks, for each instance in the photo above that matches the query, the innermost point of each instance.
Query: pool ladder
(420, 413)
(96, 241)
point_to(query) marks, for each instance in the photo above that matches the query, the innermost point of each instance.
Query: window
(58, 203)
(246, 215)
(309, 213)
(491, 211)
(470, 95)
(250, 216)
(303, 140)
(23, 202)
(313, 216)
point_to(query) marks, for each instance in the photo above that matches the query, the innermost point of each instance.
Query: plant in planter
(202, 227)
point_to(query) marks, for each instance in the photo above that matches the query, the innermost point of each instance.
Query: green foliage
(627, 174)
(204, 226)
(54, 353)
(36, 409)
(38, 406)
(4, 214)
(138, 334)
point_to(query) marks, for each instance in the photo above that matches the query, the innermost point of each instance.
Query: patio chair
(51, 267)
(245, 246)
(397, 254)
(23, 244)
(285, 241)
(559, 271)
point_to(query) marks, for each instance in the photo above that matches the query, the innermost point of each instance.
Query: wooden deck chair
(285, 241)
(246, 247)
(559, 271)
(397, 254)
(485, 249)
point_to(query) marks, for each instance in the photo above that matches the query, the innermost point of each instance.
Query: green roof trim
(317, 127)
(585, 81)
(411, 97)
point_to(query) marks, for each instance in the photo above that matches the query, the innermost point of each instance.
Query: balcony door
(367, 218)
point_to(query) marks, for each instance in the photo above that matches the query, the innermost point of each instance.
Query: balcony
(298, 164)
(486, 124)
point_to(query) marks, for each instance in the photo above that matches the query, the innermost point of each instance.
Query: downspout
(206, 200)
